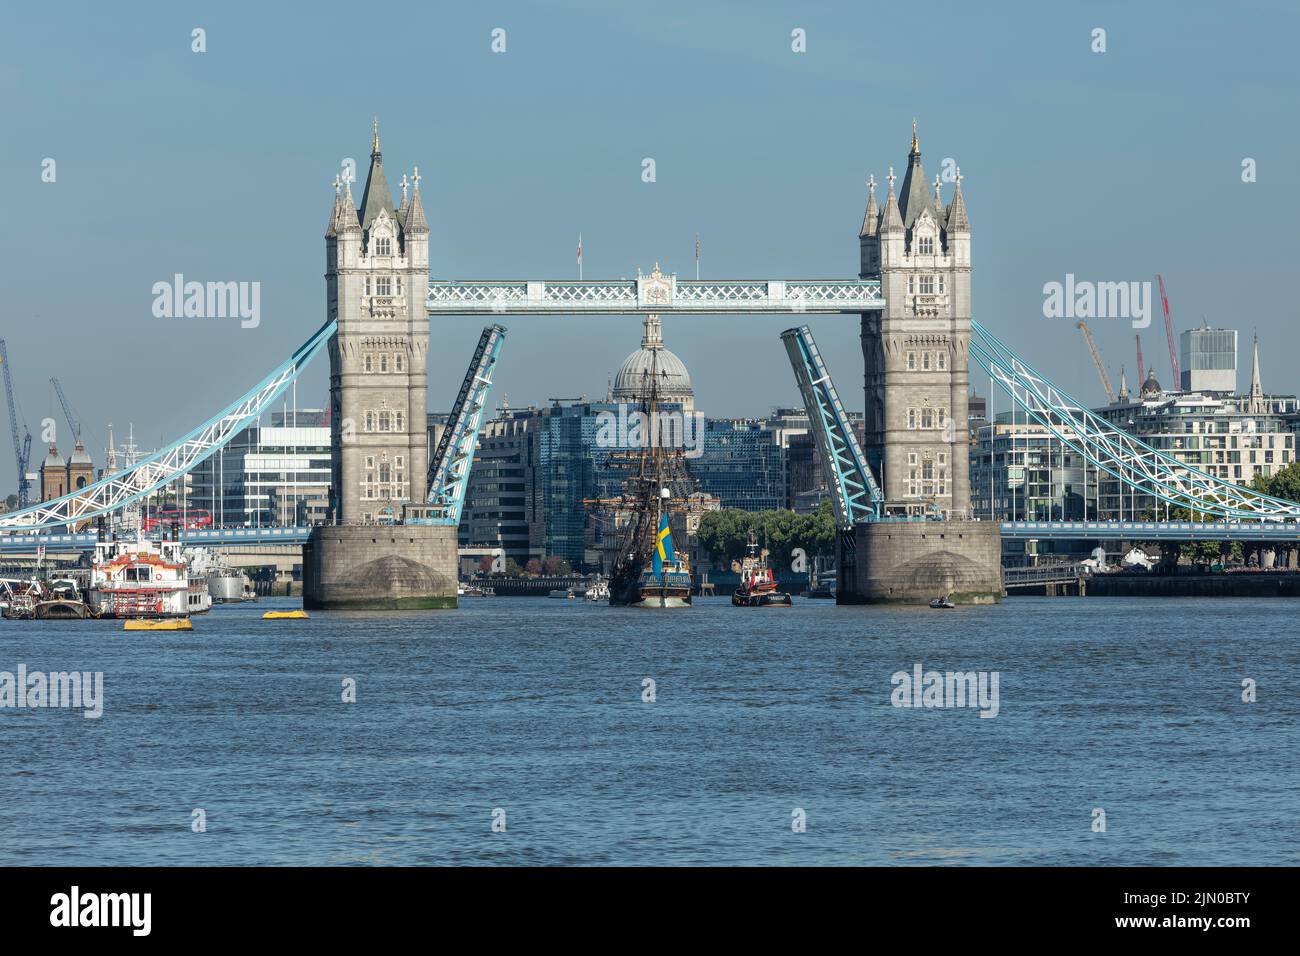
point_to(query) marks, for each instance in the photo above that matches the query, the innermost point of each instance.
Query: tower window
(383, 363)
(369, 363)
(397, 362)
(383, 246)
(941, 360)
(927, 285)
(925, 361)
(911, 357)
(384, 285)
(925, 245)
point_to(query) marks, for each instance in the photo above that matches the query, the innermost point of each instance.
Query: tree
(557, 566)
(512, 568)
(724, 534)
(534, 567)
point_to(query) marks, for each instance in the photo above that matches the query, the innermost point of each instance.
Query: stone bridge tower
(915, 349)
(376, 280)
(376, 277)
(916, 352)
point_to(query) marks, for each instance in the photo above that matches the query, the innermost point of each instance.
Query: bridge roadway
(1278, 531)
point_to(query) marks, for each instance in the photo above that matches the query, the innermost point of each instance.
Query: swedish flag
(663, 545)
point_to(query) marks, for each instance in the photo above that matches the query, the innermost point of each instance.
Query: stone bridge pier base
(376, 567)
(913, 562)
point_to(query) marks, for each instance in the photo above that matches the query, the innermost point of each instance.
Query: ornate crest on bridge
(656, 288)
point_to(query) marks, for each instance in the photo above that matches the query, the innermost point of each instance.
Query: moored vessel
(142, 579)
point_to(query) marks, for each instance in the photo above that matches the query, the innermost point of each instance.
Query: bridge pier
(913, 562)
(379, 567)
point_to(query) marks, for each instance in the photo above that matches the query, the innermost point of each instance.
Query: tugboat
(757, 582)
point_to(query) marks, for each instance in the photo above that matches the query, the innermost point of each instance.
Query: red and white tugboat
(758, 586)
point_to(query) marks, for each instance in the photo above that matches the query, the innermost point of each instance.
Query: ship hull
(742, 598)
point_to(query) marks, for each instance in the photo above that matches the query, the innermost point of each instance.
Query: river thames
(538, 716)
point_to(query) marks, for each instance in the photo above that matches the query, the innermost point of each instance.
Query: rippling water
(534, 706)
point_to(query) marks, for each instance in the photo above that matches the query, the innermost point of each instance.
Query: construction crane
(1169, 334)
(23, 448)
(1096, 360)
(67, 410)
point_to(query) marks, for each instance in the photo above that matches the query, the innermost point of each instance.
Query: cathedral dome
(653, 363)
(1151, 386)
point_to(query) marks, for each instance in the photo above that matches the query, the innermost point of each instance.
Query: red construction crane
(1169, 334)
(1142, 369)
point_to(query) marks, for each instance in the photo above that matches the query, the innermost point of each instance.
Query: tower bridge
(902, 500)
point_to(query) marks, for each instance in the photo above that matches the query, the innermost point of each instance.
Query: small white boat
(941, 601)
(564, 593)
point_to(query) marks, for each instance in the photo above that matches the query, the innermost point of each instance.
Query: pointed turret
(957, 221)
(332, 229)
(871, 221)
(891, 219)
(938, 202)
(414, 221)
(1123, 385)
(376, 196)
(347, 212)
(915, 197)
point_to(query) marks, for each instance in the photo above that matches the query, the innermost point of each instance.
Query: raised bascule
(901, 497)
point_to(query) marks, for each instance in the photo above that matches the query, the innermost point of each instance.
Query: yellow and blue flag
(663, 545)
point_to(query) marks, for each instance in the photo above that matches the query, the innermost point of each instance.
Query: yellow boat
(170, 624)
(285, 616)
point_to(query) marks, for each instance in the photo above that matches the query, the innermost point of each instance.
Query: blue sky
(1111, 166)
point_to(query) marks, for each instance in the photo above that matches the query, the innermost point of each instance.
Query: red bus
(191, 519)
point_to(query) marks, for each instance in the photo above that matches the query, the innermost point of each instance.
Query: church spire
(1123, 385)
(1256, 385)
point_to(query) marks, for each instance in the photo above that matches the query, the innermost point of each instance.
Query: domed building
(653, 363)
(1151, 387)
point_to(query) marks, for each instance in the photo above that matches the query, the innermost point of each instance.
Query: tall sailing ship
(647, 570)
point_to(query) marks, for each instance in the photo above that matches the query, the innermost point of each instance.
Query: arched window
(383, 363)
(925, 245)
(370, 426)
(397, 361)
(401, 422)
(383, 246)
